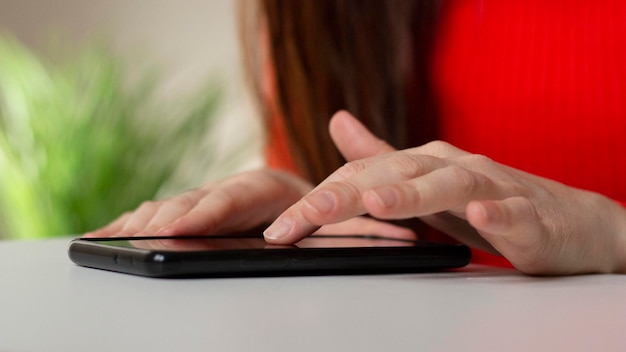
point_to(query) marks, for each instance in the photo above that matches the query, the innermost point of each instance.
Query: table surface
(49, 304)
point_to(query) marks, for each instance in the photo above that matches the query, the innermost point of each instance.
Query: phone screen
(250, 255)
(224, 243)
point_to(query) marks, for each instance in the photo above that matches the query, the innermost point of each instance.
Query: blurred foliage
(84, 138)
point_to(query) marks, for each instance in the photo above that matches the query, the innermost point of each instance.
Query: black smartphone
(250, 255)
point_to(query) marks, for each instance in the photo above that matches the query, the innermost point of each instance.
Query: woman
(531, 84)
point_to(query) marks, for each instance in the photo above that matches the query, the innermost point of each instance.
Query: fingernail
(279, 229)
(323, 201)
(385, 196)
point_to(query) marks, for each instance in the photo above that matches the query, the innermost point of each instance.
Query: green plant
(82, 140)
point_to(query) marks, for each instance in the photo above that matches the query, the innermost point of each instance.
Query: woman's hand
(541, 226)
(236, 204)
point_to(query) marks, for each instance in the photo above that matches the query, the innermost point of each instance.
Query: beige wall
(189, 39)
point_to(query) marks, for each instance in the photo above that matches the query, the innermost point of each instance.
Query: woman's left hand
(539, 225)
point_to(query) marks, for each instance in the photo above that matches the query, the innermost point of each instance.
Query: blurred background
(107, 103)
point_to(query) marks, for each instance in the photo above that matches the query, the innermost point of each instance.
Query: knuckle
(125, 215)
(264, 175)
(185, 200)
(406, 165)
(468, 181)
(338, 200)
(226, 199)
(351, 168)
(270, 180)
(351, 190)
(479, 161)
(438, 147)
(149, 206)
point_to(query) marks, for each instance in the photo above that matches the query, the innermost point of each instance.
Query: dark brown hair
(369, 57)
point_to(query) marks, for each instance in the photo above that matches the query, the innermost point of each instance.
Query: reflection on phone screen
(251, 242)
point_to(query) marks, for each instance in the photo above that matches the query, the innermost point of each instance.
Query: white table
(49, 304)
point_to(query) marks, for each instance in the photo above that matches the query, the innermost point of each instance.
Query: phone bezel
(421, 257)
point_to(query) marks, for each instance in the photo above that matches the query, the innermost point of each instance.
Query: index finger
(336, 201)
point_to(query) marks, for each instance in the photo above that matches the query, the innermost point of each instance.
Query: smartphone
(249, 255)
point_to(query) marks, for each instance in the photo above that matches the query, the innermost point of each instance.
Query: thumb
(354, 140)
(514, 228)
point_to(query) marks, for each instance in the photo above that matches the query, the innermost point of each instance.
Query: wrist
(619, 252)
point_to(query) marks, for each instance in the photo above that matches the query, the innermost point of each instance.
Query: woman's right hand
(239, 203)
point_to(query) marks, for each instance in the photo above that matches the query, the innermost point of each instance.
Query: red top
(538, 85)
